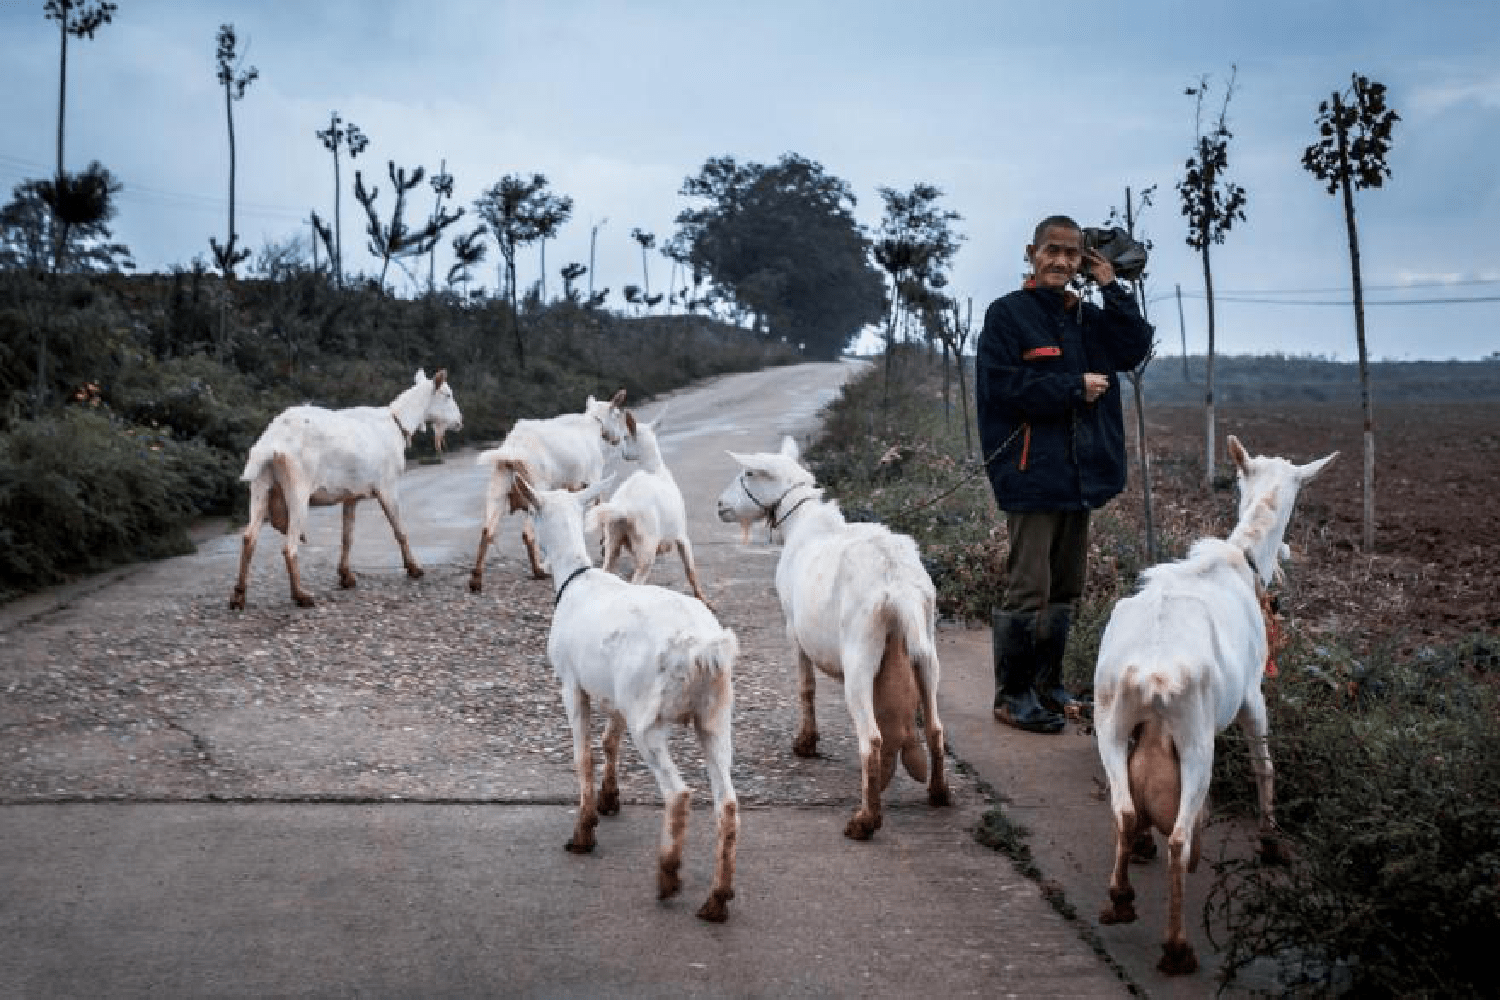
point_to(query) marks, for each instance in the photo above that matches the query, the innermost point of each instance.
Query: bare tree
(1211, 205)
(340, 135)
(442, 185)
(468, 251)
(394, 240)
(1345, 162)
(79, 18)
(1137, 375)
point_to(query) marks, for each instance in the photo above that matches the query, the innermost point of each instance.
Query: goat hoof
(609, 802)
(668, 883)
(805, 746)
(1117, 913)
(1177, 959)
(939, 796)
(476, 584)
(415, 572)
(716, 909)
(861, 828)
(347, 581)
(577, 846)
(304, 601)
(237, 602)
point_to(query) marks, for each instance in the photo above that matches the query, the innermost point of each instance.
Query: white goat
(653, 658)
(646, 515)
(562, 452)
(1179, 661)
(860, 607)
(310, 456)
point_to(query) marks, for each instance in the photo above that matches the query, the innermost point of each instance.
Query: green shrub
(1388, 783)
(84, 490)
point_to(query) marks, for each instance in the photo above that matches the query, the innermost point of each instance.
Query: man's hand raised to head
(1100, 269)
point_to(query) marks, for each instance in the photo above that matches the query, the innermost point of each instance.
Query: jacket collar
(1068, 297)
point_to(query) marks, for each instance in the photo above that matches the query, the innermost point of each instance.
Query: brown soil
(1432, 577)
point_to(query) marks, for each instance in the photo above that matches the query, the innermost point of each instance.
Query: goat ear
(789, 448)
(1239, 454)
(738, 458)
(588, 402)
(440, 378)
(421, 375)
(619, 399)
(630, 422)
(1306, 472)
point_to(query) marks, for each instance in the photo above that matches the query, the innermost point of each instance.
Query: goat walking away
(860, 607)
(311, 456)
(1178, 662)
(562, 452)
(651, 658)
(646, 516)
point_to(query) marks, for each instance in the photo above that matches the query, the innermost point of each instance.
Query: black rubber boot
(1051, 643)
(1014, 638)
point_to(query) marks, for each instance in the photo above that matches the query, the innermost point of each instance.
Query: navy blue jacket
(1047, 449)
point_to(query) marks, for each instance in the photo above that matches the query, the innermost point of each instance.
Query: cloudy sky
(1013, 110)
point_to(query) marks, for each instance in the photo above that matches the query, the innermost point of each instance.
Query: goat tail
(897, 696)
(1155, 685)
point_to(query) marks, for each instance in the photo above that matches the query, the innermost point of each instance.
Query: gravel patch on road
(398, 689)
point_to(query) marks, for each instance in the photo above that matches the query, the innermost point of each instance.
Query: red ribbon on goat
(1275, 641)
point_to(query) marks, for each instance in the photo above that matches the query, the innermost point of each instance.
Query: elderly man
(1054, 440)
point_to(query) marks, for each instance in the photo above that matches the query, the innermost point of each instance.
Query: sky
(1015, 111)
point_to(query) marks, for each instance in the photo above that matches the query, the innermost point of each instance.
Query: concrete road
(191, 897)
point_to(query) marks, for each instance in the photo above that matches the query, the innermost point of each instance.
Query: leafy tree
(340, 135)
(520, 211)
(79, 18)
(394, 240)
(914, 245)
(27, 226)
(1211, 204)
(1355, 136)
(783, 242)
(234, 80)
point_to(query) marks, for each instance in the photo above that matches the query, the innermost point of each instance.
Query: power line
(1444, 300)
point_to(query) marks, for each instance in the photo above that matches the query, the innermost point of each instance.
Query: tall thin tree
(1355, 136)
(234, 80)
(340, 135)
(1211, 204)
(442, 185)
(1137, 375)
(647, 241)
(79, 18)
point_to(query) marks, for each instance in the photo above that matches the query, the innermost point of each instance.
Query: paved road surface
(235, 884)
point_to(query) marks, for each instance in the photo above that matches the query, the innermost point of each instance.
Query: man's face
(1055, 260)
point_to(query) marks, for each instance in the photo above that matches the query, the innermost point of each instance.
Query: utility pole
(1182, 327)
(593, 239)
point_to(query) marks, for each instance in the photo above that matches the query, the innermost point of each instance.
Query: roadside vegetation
(139, 421)
(1388, 773)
